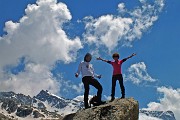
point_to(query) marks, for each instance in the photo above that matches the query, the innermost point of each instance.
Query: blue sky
(149, 77)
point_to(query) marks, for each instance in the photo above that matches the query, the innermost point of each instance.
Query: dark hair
(115, 55)
(87, 54)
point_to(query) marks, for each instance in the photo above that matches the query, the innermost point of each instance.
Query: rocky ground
(119, 109)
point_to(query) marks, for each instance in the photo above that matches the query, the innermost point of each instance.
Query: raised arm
(130, 56)
(99, 58)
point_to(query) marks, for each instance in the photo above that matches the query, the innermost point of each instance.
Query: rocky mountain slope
(44, 105)
(61, 105)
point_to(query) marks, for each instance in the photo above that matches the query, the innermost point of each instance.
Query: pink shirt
(117, 66)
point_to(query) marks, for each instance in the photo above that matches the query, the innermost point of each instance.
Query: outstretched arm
(99, 58)
(130, 56)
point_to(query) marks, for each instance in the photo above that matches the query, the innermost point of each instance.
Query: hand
(76, 75)
(98, 58)
(133, 54)
(99, 76)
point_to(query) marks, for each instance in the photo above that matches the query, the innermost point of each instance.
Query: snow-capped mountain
(44, 105)
(157, 115)
(59, 104)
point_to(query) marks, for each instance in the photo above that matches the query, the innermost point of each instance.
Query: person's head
(115, 56)
(87, 57)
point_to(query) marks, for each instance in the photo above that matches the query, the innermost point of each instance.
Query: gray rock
(24, 111)
(69, 117)
(119, 109)
(9, 105)
(37, 114)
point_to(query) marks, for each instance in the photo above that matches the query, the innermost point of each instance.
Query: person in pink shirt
(117, 73)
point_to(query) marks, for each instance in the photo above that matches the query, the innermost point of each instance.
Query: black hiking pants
(89, 80)
(114, 79)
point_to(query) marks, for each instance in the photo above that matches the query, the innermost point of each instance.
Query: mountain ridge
(43, 105)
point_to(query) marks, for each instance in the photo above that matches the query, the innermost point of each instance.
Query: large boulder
(119, 109)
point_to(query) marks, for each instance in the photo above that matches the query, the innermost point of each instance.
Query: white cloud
(107, 30)
(78, 88)
(37, 77)
(169, 101)
(121, 8)
(137, 73)
(81, 98)
(107, 97)
(31, 81)
(38, 36)
(68, 86)
(122, 29)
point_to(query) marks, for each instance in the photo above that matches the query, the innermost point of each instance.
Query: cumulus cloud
(137, 73)
(39, 37)
(122, 29)
(37, 77)
(169, 101)
(31, 81)
(107, 30)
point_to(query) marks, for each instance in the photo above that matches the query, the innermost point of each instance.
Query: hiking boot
(86, 107)
(123, 96)
(100, 103)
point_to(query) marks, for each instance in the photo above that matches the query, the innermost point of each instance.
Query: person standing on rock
(88, 78)
(117, 73)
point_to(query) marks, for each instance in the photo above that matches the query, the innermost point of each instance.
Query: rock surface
(119, 109)
(3, 117)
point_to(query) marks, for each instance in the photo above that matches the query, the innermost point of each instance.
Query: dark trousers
(114, 79)
(89, 80)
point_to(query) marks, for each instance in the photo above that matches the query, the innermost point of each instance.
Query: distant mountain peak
(56, 101)
(165, 115)
(46, 93)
